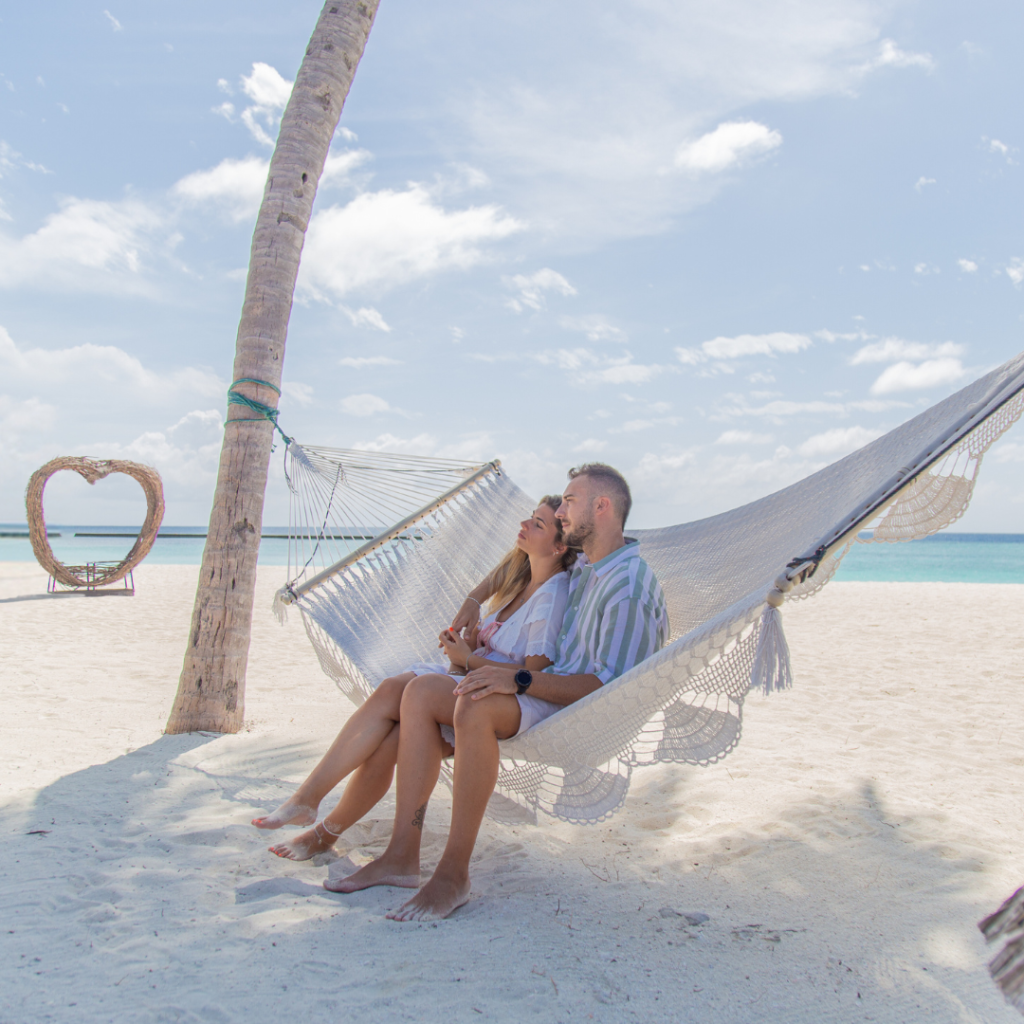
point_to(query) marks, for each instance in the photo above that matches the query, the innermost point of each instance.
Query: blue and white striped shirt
(615, 618)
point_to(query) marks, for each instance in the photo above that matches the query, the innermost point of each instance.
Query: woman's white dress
(530, 630)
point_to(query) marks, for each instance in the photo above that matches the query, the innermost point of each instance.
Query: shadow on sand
(151, 899)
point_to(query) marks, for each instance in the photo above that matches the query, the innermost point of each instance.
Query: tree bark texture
(211, 690)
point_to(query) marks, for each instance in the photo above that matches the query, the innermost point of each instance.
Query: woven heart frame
(93, 470)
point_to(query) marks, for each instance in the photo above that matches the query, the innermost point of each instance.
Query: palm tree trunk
(211, 691)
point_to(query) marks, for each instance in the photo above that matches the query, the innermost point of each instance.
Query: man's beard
(578, 534)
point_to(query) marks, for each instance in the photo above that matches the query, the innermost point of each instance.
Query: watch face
(523, 679)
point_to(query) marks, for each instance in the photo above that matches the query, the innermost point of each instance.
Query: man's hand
(488, 679)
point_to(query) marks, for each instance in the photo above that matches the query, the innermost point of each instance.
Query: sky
(716, 245)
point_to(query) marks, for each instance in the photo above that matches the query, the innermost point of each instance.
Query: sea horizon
(954, 557)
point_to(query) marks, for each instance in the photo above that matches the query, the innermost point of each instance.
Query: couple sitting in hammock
(561, 626)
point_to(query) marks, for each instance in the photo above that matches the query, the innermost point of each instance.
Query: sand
(843, 854)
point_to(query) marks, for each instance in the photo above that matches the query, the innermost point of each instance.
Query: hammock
(384, 548)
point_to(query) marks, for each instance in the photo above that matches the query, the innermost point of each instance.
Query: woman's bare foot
(307, 845)
(289, 813)
(442, 895)
(382, 871)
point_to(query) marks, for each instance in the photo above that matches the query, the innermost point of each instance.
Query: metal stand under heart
(96, 574)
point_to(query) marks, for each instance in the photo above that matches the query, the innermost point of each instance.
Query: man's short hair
(611, 482)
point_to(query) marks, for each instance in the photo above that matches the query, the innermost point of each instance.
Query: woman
(528, 591)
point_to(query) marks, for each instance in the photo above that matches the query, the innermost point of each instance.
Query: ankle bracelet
(329, 830)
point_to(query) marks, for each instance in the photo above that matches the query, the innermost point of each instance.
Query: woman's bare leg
(479, 724)
(428, 702)
(366, 788)
(361, 735)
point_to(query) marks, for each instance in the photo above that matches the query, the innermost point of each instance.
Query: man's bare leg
(479, 724)
(428, 701)
(361, 735)
(366, 788)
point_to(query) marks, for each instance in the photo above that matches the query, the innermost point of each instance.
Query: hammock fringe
(279, 606)
(772, 669)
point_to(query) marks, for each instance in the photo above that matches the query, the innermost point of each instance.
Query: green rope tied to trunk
(266, 412)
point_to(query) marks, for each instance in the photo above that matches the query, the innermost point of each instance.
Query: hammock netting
(386, 547)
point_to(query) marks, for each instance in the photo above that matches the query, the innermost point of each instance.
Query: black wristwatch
(523, 679)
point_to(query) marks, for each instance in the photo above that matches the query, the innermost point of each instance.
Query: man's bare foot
(382, 871)
(306, 845)
(441, 896)
(289, 813)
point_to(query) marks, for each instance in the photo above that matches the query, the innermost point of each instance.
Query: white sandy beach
(843, 854)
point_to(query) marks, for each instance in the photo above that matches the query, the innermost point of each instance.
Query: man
(615, 618)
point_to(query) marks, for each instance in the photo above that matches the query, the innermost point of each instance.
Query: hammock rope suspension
(382, 549)
(266, 412)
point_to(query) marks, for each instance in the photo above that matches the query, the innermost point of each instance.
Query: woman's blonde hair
(512, 573)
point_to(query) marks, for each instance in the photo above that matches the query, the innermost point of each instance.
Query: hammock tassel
(282, 598)
(771, 661)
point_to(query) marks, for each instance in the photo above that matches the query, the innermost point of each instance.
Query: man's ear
(602, 504)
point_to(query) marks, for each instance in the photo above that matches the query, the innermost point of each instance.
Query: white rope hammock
(385, 547)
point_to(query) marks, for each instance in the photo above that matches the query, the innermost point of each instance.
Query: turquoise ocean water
(944, 558)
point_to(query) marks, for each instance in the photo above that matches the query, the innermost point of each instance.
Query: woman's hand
(455, 648)
(467, 617)
(488, 679)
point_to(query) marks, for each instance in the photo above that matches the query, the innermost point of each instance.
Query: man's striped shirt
(615, 618)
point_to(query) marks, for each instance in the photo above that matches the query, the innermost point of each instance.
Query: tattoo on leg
(417, 818)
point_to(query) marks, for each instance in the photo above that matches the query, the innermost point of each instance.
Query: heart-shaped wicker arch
(93, 470)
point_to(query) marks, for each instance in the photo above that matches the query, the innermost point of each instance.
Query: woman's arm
(461, 655)
(468, 615)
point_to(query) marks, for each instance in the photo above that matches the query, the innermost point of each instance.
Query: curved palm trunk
(211, 690)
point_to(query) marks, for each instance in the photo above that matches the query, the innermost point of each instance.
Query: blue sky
(718, 246)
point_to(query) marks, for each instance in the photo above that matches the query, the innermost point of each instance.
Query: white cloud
(779, 408)
(339, 166)
(892, 349)
(185, 454)
(722, 348)
(836, 442)
(44, 412)
(1007, 451)
(925, 269)
(235, 186)
(472, 447)
(891, 56)
(11, 159)
(531, 288)
(360, 362)
(364, 405)
(382, 239)
(967, 266)
(86, 244)
(1015, 271)
(743, 437)
(595, 326)
(589, 153)
(269, 92)
(367, 316)
(103, 368)
(729, 145)
(590, 446)
(24, 419)
(922, 183)
(906, 376)
(590, 367)
(114, 23)
(1000, 148)
(295, 391)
